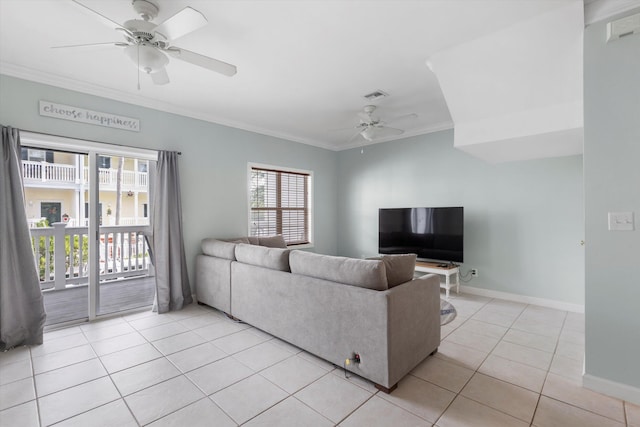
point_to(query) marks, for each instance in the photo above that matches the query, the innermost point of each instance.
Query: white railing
(62, 254)
(131, 180)
(73, 222)
(67, 174)
(43, 171)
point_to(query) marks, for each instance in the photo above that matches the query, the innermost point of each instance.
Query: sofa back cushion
(219, 248)
(273, 258)
(355, 272)
(399, 268)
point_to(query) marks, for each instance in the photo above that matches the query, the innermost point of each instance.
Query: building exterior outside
(57, 188)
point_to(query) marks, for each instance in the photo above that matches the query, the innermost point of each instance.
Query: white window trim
(60, 143)
(251, 165)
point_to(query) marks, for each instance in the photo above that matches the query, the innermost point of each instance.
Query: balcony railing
(45, 172)
(130, 179)
(62, 254)
(73, 222)
(60, 173)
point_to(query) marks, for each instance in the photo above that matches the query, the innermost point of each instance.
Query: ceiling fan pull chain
(138, 66)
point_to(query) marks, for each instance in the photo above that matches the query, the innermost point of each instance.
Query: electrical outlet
(474, 272)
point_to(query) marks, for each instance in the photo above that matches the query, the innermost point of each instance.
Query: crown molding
(600, 10)
(37, 76)
(138, 100)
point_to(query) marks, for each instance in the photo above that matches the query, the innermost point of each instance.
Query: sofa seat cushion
(399, 268)
(262, 256)
(355, 272)
(219, 248)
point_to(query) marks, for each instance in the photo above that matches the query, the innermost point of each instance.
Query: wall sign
(82, 115)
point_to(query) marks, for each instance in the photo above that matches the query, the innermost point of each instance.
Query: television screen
(430, 233)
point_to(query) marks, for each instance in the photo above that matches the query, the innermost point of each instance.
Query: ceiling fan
(148, 45)
(372, 127)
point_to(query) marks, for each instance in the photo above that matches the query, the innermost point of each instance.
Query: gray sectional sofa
(329, 306)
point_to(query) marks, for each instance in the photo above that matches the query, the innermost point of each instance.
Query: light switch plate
(620, 221)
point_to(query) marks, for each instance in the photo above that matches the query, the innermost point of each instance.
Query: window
(37, 155)
(104, 162)
(280, 204)
(143, 166)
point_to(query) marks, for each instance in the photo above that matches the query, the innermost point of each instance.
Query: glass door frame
(92, 149)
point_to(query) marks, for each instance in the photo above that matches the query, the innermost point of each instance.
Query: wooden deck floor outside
(119, 295)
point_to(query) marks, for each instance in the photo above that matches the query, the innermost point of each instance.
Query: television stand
(441, 270)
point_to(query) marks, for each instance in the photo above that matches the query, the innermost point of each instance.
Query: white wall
(213, 165)
(523, 220)
(612, 184)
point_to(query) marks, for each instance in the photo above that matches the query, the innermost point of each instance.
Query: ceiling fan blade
(160, 77)
(202, 61)
(355, 136)
(183, 22)
(108, 22)
(404, 117)
(106, 44)
(383, 131)
(343, 129)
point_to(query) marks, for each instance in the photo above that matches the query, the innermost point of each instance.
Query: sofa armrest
(413, 325)
(213, 282)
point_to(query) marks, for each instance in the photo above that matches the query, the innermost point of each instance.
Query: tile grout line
(177, 320)
(459, 393)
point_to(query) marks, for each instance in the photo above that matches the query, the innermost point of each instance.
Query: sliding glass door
(126, 277)
(89, 216)
(55, 186)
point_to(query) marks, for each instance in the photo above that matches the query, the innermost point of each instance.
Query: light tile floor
(500, 363)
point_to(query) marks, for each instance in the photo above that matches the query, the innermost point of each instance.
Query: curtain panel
(22, 314)
(173, 291)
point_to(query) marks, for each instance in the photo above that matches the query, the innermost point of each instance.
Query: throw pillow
(238, 240)
(276, 241)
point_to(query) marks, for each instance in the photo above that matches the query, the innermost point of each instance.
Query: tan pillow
(276, 241)
(399, 268)
(238, 240)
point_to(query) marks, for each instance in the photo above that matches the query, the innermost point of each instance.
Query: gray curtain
(172, 282)
(22, 313)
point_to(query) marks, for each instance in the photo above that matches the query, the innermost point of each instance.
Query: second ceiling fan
(372, 127)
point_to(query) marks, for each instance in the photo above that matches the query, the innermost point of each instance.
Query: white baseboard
(612, 388)
(559, 305)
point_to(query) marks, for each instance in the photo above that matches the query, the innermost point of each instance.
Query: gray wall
(612, 184)
(213, 165)
(523, 220)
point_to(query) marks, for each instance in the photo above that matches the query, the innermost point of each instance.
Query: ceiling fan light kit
(147, 58)
(147, 44)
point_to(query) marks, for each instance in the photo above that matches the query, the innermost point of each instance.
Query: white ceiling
(303, 66)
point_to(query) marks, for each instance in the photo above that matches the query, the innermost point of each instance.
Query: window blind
(280, 204)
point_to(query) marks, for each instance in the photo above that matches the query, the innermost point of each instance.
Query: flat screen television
(430, 233)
